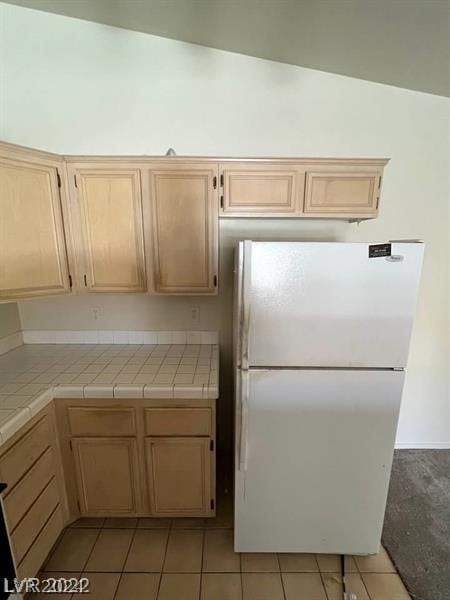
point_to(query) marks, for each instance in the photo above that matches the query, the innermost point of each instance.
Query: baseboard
(118, 337)
(427, 446)
(10, 342)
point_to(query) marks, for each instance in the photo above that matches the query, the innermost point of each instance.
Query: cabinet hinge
(212, 504)
(215, 280)
(75, 180)
(221, 201)
(85, 281)
(211, 445)
(214, 182)
(70, 281)
(221, 180)
(58, 178)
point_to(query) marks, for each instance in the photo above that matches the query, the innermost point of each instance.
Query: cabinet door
(179, 475)
(107, 475)
(184, 223)
(33, 260)
(262, 190)
(112, 235)
(342, 192)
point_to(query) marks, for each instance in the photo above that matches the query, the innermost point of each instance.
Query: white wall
(77, 87)
(9, 319)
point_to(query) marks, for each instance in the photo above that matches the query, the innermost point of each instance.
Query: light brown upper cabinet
(303, 188)
(150, 224)
(182, 223)
(110, 233)
(33, 258)
(261, 189)
(345, 190)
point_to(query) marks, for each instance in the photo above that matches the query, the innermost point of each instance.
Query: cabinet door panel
(262, 190)
(111, 216)
(179, 475)
(33, 258)
(353, 193)
(184, 231)
(106, 471)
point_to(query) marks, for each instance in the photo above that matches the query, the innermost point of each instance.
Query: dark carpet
(416, 530)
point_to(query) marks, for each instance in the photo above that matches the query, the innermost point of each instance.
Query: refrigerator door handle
(244, 421)
(246, 291)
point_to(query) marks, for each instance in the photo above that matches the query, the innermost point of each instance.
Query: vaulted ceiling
(404, 43)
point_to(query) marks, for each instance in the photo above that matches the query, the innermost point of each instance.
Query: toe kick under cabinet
(125, 458)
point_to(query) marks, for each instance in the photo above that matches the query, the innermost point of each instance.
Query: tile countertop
(33, 374)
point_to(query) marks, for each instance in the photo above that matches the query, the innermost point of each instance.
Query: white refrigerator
(321, 337)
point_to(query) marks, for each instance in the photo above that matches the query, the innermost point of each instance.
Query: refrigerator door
(329, 304)
(318, 454)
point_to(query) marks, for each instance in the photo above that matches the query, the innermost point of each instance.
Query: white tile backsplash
(105, 337)
(194, 337)
(49, 336)
(150, 337)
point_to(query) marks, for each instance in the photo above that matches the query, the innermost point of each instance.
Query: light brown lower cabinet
(138, 457)
(105, 457)
(179, 476)
(107, 477)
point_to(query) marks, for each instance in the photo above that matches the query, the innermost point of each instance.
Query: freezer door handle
(246, 292)
(244, 421)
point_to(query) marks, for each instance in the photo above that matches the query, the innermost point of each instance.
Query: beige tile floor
(193, 559)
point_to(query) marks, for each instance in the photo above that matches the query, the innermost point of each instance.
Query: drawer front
(22, 496)
(101, 421)
(17, 461)
(30, 526)
(39, 551)
(178, 421)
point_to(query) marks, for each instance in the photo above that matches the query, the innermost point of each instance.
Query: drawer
(36, 555)
(24, 493)
(178, 421)
(101, 421)
(16, 462)
(30, 526)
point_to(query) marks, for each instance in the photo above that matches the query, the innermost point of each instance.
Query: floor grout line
(281, 575)
(201, 565)
(164, 561)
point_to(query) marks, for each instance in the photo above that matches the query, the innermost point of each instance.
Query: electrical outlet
(96, 312)
(195, 314)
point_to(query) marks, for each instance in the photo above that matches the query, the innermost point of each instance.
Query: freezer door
(319, 447)
(329, 304)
